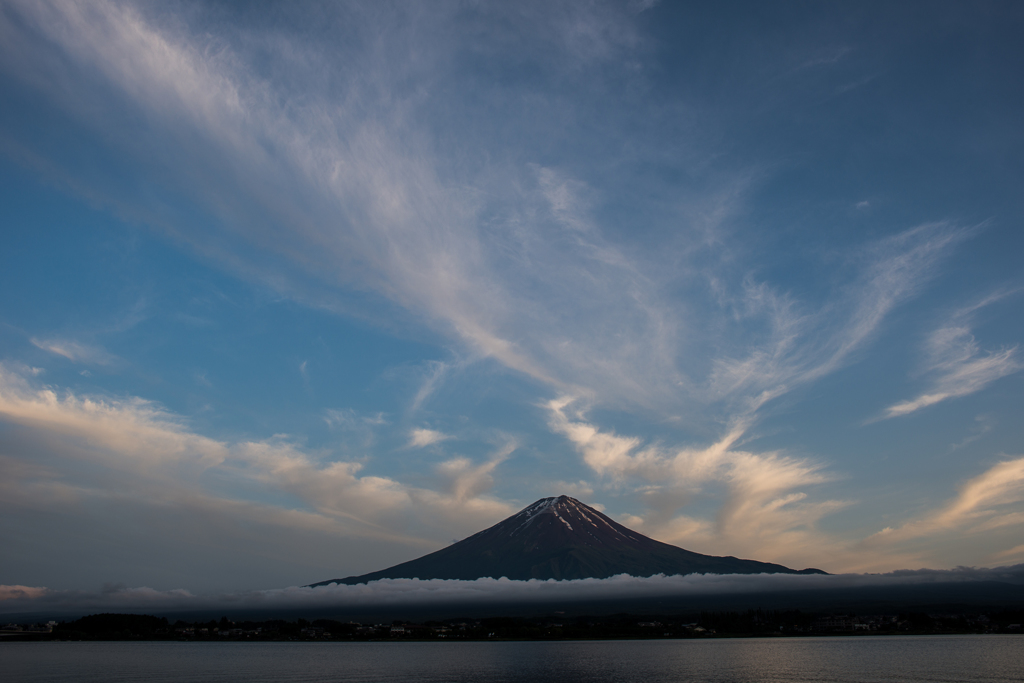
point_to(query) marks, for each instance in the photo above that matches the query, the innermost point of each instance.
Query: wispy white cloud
(375, 206)
(827, 58)
(89, 450)
(961, 377)
(401, 229)
(434, 376)
(1010, 554)
(467, 480)
(982, 426)
(420, 437)
(956, 364)
(361, 428)
(987, 502)
(345, 189)
(135, 449)
(802, 345)
(350, 418)
(767, 510)
(764, 513)
(76, 352)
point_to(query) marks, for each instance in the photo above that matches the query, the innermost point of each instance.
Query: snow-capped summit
(562, 538)
(568, 511)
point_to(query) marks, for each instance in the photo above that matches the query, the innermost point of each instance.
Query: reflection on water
(865, 659)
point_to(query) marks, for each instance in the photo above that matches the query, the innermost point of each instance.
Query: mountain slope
(561, 538)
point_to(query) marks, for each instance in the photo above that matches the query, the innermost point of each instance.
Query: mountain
(561, 538)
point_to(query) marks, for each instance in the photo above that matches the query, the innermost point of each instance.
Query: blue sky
(290, 292)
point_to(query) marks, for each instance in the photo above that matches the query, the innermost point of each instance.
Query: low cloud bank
(415, 593)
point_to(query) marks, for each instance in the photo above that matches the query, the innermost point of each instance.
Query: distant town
(753, 623)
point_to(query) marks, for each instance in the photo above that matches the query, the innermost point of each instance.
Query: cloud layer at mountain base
(453, 594)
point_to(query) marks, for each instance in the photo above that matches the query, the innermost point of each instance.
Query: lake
(860, 659)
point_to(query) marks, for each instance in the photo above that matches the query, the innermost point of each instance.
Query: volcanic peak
(562, 538)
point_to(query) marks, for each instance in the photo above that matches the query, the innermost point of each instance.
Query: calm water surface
(866, 659)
